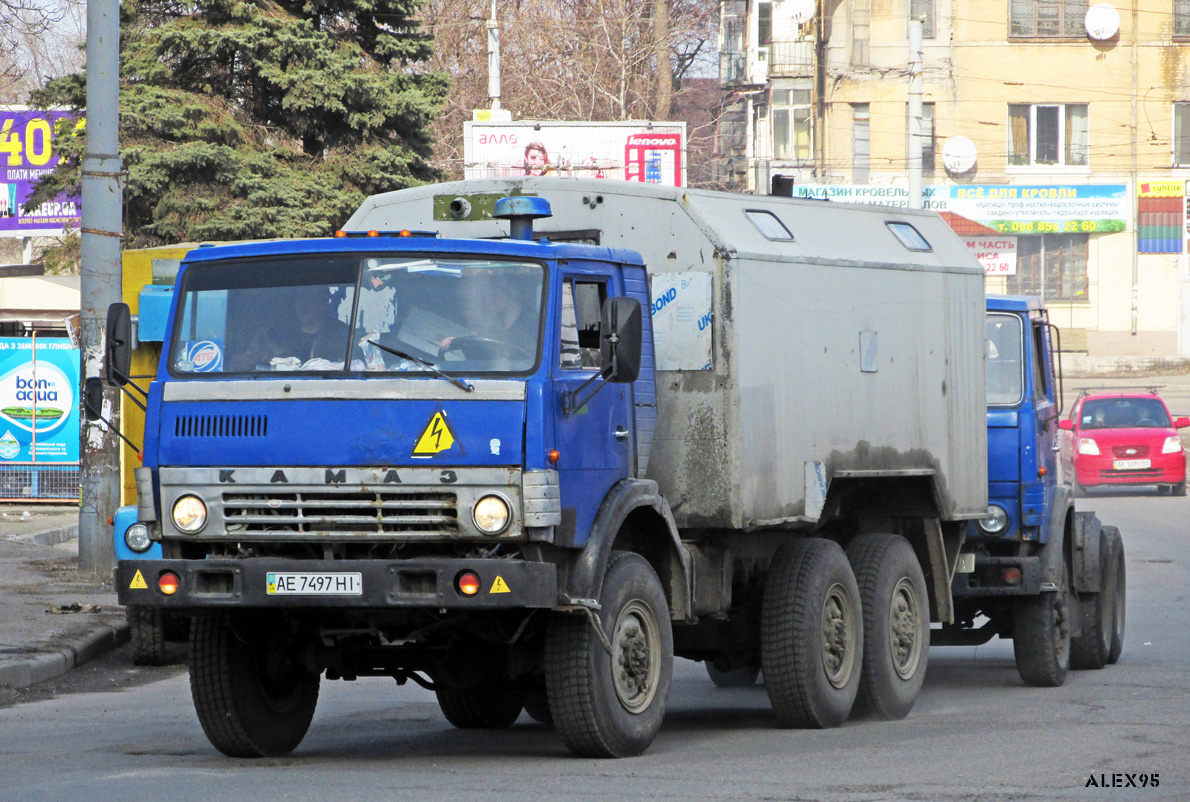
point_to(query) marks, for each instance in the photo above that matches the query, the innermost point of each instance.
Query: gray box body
(838, 352)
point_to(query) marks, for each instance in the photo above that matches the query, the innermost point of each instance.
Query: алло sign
(39, 420)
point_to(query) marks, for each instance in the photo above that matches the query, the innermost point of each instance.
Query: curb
(48, 665)
(49, 537)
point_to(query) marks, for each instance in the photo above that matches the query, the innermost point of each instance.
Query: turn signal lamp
(554, 456)
(467, 583)
(405, 233)
(1042, 471)
(1011, 575)
(373, 233)
(340, 233)
(168, 583)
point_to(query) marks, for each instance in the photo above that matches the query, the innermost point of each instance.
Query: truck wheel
(146, 627)
(1089, 650)
(735, 678)
(892, 590)
(1041, 636)
(252, 696)
(537, 705)
(1120, 583)
(612, 705)
(481, 708)
(811, 634)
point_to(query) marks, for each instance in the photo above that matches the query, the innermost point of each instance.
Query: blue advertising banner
(39, 417)
(26, 154)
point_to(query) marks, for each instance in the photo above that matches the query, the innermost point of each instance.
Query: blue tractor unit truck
(522, 442)
(1038, 572)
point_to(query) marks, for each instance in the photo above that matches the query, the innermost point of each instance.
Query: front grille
(347, 513)
(221, 426)
(1130, 452)
(1147, 473)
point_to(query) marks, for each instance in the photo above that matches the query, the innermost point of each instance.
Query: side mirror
(1181, 423)
(620, 339)
(1066, 425)
(93, 398)
(118, 353)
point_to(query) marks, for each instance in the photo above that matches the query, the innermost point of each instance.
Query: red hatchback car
(1124, 438)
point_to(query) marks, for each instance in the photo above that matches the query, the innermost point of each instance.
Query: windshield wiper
(453, 380)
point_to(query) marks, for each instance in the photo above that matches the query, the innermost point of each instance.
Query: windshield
(352, 313)
(1120, 413)
(1006, 374)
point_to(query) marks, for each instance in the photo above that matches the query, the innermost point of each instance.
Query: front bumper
(1164, 469)
(987, 578)
(386, 584)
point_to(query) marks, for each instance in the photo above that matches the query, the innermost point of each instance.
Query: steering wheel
(1146, 422)
(480, 349)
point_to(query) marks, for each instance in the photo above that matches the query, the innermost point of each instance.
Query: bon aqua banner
(39, 417)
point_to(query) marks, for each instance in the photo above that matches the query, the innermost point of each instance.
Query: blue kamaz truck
(478, 443)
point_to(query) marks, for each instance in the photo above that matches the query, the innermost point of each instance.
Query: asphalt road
(112, 731)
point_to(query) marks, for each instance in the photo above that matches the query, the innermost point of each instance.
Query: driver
(495, 312)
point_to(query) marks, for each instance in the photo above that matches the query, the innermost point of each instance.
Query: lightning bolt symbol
(436, 432)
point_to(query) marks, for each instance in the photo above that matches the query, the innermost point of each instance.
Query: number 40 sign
(27, 153)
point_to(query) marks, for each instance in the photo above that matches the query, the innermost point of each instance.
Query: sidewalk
(52, 617)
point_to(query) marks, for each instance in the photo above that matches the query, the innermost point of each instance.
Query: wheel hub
(903, 630)
(838, 636)
(636, 659)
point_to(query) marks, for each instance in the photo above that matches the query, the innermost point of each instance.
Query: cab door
(595, 442)
(1039, 469)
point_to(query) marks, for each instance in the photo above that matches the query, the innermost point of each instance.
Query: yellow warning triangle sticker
(138, 582)
(500, 586)
(436, 437)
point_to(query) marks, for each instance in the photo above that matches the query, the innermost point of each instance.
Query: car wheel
(1179, 489)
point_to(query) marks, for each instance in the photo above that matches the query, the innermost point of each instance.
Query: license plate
(314, 584)
(1130, 464)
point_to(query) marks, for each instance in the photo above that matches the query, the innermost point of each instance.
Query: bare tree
(598, 60)
(38, 40)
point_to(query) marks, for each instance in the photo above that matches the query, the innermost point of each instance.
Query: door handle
(621, 433)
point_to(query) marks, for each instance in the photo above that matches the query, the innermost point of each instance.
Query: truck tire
(481, 708)
(146, 632)
(735, 678)
(537, 705)
(1089, 650)
(253, 699)
(1041, 635)
(811, 634)
(612, 705)
(1119, 579)
(895, 603)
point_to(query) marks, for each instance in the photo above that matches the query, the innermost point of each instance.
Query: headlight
(491, 515)
(190, 514)
(996, 520)
(1088, 446)
(1173, 445)
(136, 537)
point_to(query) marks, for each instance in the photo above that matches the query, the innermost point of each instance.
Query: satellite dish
(800, 11)
(958, 155)
(1103, 21)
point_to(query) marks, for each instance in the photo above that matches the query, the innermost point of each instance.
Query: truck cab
(1040, 572)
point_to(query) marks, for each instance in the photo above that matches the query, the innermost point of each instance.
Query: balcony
(733, 68)
(793, 59)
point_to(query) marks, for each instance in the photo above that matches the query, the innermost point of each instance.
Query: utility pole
(102, 229)
(915, 37)
(494, 61)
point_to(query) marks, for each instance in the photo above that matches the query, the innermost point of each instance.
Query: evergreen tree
(273, 118)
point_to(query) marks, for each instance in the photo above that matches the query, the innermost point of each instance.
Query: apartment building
(1055, 136)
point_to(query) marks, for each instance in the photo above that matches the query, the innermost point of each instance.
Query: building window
(1181, 134)
(792, 129)
(924, 11)
(1181, 17)
(764, 23)
(1052, 266)
(927, 138)
(1048, 134)
(861, 143)
(1049, 18)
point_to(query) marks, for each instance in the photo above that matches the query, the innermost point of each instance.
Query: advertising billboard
(1007, 208)
(650, 153)
(39, 416)
(26, 154)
